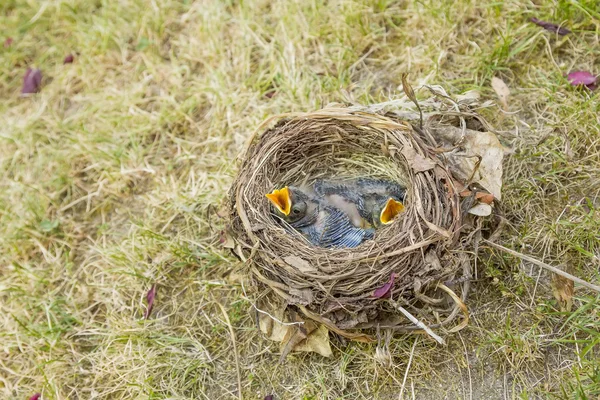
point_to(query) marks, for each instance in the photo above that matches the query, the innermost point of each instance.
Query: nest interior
(423, 247)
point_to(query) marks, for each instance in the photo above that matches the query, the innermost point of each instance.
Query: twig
(235, 351)
(544, 265)
(412, 352)
(421, 325)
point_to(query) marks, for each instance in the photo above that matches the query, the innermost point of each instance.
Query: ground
(110, 175)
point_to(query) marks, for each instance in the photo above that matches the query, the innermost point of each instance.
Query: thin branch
(544, 265)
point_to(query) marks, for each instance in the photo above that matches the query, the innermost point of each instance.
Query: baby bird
(323, 225)
(372, 202)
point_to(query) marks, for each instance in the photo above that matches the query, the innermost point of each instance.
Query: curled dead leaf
(305, 336)
(501, 90)
(150, 296)
(481, 148)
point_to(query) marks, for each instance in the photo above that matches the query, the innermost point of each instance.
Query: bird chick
(323, 225)
(372, 202)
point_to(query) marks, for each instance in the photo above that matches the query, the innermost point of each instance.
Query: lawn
(110, 176)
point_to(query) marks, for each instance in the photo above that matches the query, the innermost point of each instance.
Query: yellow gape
(281, 199)
(389, 212)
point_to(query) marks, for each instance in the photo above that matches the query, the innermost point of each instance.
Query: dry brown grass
(108, 174)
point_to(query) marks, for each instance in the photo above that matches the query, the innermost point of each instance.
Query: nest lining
(423, 247)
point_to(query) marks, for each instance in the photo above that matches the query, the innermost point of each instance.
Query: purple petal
(32, 81)
(549, 26)
(69, 59)
(581, 78)
(8, 42)
(36, 396)
(385, 290)
(150, 300)
(269, 397)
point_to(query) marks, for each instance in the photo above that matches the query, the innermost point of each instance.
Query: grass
(108, 174)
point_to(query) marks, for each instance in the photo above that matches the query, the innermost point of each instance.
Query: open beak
(389, 212)
(281, 199)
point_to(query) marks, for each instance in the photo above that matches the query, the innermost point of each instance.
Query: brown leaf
(486, 198)
(483, 146)
(501, 90)
(69, 59)
(32, 81)
(416, 161)
(312, 337)
(563, 288)
(150, 296)
(294, 336)
(300, 264)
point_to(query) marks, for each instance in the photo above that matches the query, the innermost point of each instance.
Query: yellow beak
(281, 199)
(389, 212)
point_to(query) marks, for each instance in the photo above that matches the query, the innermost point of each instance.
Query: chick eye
(296, 211)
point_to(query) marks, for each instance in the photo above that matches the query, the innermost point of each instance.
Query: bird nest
(415, 273)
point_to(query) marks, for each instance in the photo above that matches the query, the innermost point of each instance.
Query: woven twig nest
(426, 247)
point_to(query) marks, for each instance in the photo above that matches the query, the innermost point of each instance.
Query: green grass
(108, 175)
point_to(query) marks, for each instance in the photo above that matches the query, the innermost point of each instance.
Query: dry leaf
(150, 296)
(483, 144)
(502, 91)
(226, 240)
(317, 342)
(300, 264)
(481, 210)
(468, 97)
(301, 296)
(416, 161)
(385, 290)
(32, 81)
(563, 288)
(410, 93)
(311, 338)
(549, 26)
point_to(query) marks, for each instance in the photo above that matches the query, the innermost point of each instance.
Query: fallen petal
(8, 42)
(581, 78)
(269, 397)
(69, 59)
(549, 26)
(36, 396)
(32, 81)
(385, 290)
(150, 300)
